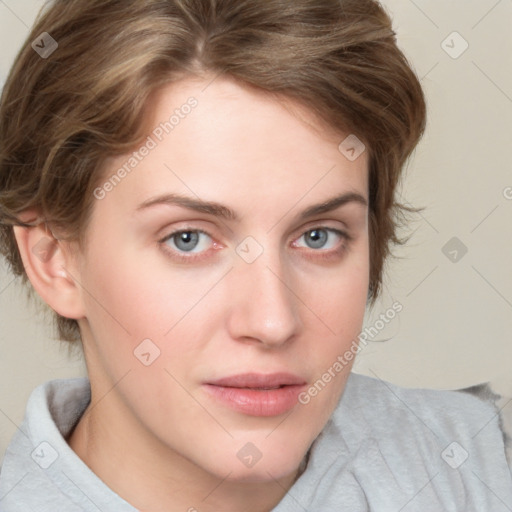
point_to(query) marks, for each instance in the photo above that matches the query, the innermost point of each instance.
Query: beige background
(456, 323)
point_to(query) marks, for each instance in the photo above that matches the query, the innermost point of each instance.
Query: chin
(262, 475)
(252, 466)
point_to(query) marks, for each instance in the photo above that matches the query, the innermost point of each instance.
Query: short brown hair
(62, 116)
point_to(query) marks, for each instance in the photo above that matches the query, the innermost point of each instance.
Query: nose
(264, 306)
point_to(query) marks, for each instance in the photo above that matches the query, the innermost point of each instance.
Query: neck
(151, 476)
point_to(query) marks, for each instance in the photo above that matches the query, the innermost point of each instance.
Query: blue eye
(192, 240)
(322, 238)
(194, 245)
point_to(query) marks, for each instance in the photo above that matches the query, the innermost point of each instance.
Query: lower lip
(271, 402)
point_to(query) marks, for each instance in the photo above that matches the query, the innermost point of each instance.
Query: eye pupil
(316, 238)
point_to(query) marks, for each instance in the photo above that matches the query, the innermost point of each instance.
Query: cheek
(127, 302)
(342, 301)
(335, 313)
(340, 297)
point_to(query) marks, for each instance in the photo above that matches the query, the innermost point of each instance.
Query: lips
(257, 394)
(259, 381)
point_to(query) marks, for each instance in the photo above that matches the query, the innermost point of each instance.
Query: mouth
(257, 394)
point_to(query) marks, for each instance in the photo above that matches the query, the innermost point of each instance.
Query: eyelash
(319, 253)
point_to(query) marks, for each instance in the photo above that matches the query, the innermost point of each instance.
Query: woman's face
(225, 271)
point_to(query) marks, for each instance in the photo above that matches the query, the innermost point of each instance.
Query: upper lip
(259, 380)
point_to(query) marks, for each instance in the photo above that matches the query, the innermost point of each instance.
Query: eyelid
(332, 255)
(174, 232)
(182, 230)
(191, 257)
(339, 232)
(330, 225)
(186, 257)
(189, 224)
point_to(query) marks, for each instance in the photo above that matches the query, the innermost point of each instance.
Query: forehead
(225, 142)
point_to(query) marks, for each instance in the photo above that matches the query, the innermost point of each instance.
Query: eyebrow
(222, 211)
(333, 204)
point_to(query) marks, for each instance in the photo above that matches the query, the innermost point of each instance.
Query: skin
(294, 309)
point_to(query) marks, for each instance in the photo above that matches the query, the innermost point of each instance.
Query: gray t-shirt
(385, 449)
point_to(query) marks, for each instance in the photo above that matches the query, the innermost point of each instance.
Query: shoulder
(38, 457)
(444, 411)
(40, 471)
(433, 449)
(422, 416)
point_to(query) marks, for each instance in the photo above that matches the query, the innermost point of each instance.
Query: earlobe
(48, 265)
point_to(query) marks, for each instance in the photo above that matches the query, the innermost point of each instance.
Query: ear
(50, 267)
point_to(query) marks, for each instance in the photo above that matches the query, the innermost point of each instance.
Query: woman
(203, 193)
